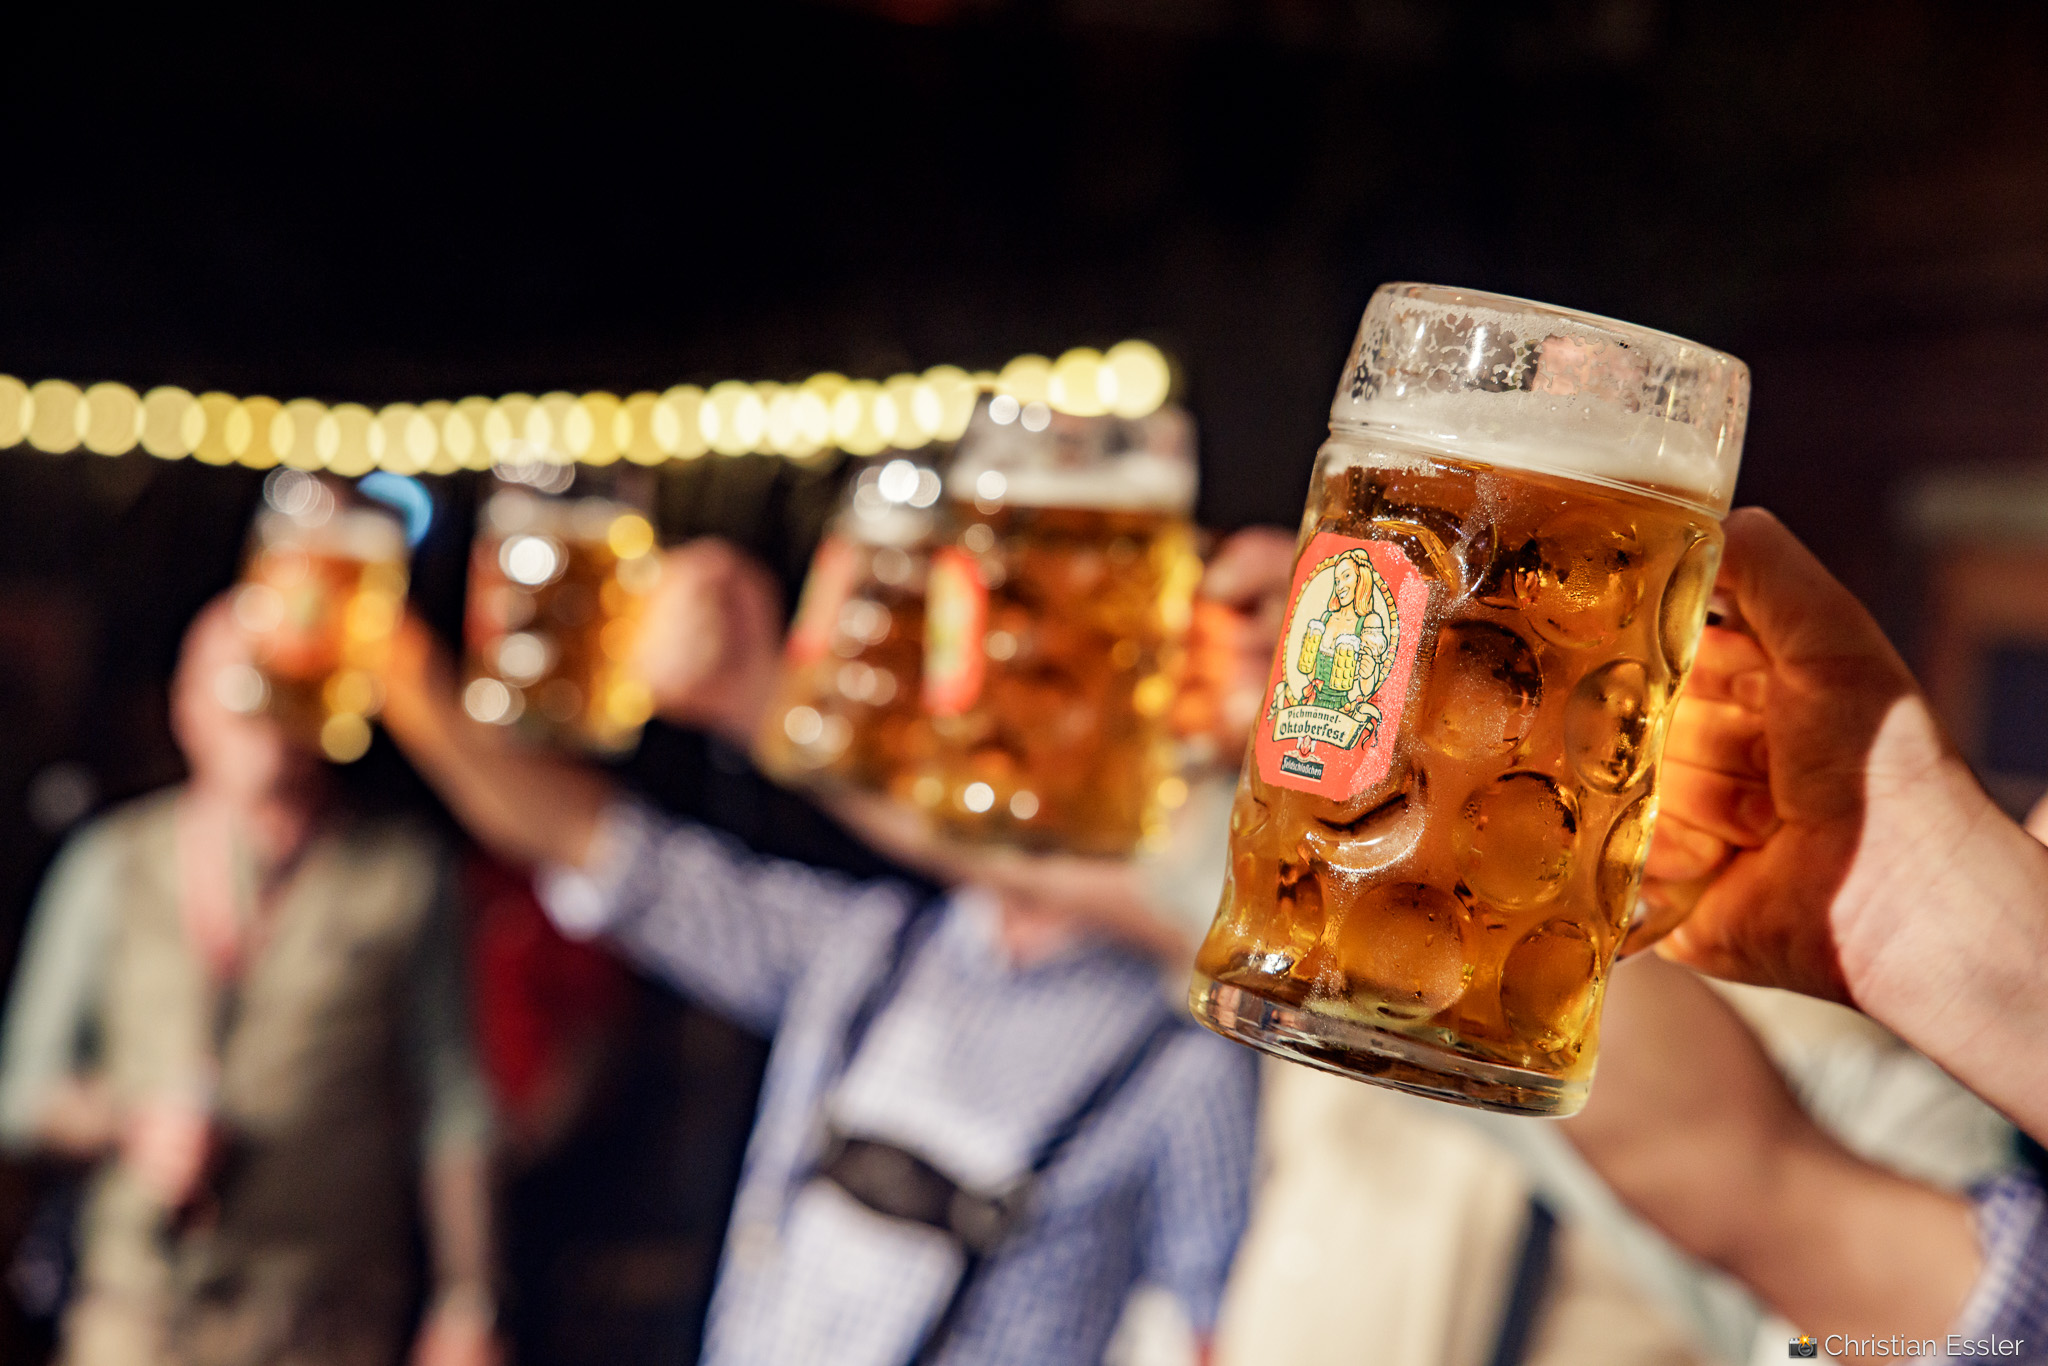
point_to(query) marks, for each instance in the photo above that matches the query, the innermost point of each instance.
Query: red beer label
(1340, 680)
(826, 590)
(955, 620)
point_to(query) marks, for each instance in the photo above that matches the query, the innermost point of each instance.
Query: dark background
(338, 203)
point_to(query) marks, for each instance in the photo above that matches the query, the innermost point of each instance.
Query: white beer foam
(350, 534)
(1138, 482)
(1554, 434)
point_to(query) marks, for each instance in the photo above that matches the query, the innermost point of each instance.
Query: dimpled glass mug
(1437, 844)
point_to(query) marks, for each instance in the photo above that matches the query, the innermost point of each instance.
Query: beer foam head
(347, 533)
(1507, 382)
(1107, 463)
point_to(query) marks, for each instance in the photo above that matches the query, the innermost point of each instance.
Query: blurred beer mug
(1438, 840)
(559, 573)
(321, 593)
(847, 710)
(1055, 622)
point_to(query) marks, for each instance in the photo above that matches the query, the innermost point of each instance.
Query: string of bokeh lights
(806, 421)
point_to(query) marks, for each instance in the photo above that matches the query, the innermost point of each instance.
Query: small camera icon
(1803, 1346)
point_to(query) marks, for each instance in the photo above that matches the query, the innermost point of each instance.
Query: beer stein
(559, 572)
(847, 708)
(320, 597)
(1055, 619)
(1439, 834)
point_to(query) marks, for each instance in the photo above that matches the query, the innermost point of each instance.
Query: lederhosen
(899, 1184)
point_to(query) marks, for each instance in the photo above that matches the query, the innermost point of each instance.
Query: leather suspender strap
(1012, 1204)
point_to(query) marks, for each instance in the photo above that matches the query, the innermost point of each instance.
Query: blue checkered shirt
(971, 1063)
(2010, 1300)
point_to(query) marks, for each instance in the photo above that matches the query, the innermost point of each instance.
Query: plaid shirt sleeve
(1201, 1188)
(717, 920)
(2010, 1300)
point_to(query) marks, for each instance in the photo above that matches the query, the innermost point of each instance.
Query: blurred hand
(1238, 616)
(458, 1331)
(167, 1144)
(713, 640)
(1835, 840)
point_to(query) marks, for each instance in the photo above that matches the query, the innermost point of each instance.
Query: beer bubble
(490, 701)
(1579, 579)
(1023, 805)
(344, 737)
(524, 656)
(1607, 725)
(977, 797)
(1550, 984)
(531, 560)
(1621, 860)
(1484, 689)
(1684, 608)
(1398, 945)
(241, 689)
(1514, 840)
(803, 725)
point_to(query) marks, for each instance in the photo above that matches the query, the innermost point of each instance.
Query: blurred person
(1840, 847)
(242, 1003)
(983, 1122)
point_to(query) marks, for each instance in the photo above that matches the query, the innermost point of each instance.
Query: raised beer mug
(320, 597)
(1056, 620)
(1428, 889)
(559, 573)
(1311, 643)
(847, 709)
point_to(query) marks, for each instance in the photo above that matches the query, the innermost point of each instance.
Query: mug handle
(1662, 909)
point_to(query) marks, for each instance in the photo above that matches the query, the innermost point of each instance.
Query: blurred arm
(528, 805)
(46, 1099)
(1694, 1128)
(1201, 1193)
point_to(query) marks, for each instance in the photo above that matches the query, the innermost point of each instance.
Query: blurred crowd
(334, 1080)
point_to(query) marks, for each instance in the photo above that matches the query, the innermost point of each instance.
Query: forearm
(525, 804)
(456, 1195)
(1951, 952)
(1836, 1244)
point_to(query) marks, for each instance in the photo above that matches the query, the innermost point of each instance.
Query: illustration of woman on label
(1345, 650)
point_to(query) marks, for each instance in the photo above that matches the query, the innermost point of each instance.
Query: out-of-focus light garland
(801, 421)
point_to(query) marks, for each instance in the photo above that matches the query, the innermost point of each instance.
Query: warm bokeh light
(247, 432)
(16, 412)
(808, 421)
(1026, 379)
(343, 439)
(295, 433)
(58, 420)
(1139, 379)
(1075, 385)
(212, 446)
(171, 422)
(113, 419)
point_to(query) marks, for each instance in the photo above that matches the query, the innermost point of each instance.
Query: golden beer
(1438, 839)
(320, 597)
(1056, 620)
(847, 709)
(557, 591)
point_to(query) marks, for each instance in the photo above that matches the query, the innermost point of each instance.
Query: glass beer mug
(1055, 623)
(847, 707)
(321, 594)
(559, 573)
(1438, 838)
